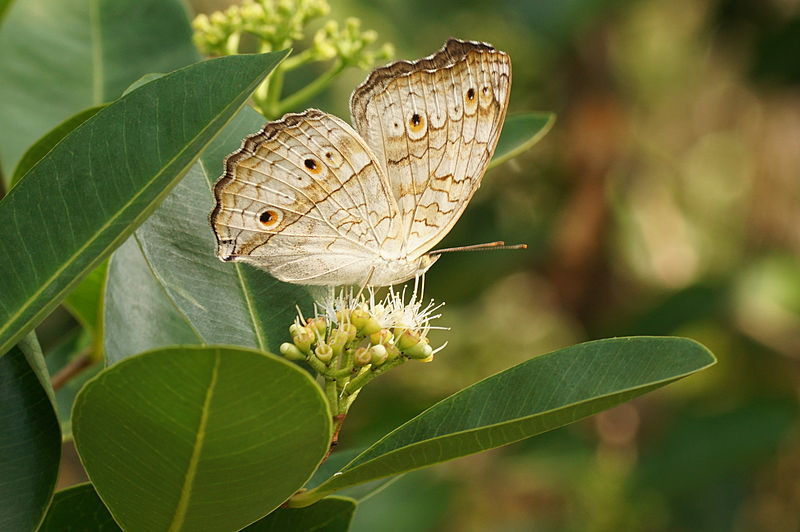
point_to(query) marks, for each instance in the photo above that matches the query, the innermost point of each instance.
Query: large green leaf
(30, 440)
(533, 397)
(171, 251)
(332, 514)
(520, 133)
(58, 57)
(199, 438)
(78, 508)
(87, 194)
(40, 148)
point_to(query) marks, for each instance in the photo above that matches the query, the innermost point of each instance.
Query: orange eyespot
(471, 94)
(270, 218)
(313, 166)
(416, 122)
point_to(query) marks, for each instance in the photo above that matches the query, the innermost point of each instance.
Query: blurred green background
(665, 201)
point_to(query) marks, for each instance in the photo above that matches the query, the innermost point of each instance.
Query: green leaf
(234, 304)
(520, 133)
(332, 514)
(87, 194)
(58, 57)
(78, 508)
(30, 440)
(47, 142)
(199, 438)
(544, 393)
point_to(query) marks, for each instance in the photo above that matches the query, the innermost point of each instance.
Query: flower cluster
(353, 339)
(278, 25)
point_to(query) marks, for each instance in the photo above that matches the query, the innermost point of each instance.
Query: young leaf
(171, 251)
(87, 194)
(78, 508)
(30, 439)
(332, 514)
(199, 438)
(57, 58)
(520, 133)
(541, 394)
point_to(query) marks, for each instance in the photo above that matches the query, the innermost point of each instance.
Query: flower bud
(351, 331)
(338, 339)
(324, 352)
(343, 316)
(420, 350)
(407, 340)
(370, 327)
(362, 357)
(320, 325)
(359, 317)
(378, 354)
(291, 351)
(294, 328)
(384, 336)
(392, 351)
(303, 340)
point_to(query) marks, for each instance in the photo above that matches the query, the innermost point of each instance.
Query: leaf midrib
(14, 317)
(191, 471)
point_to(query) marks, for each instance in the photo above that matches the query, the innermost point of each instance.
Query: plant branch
(75, 367)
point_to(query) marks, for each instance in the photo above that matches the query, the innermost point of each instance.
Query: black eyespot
(311, 164)
(471, 94)
(329, 155)
(266, 217)
(485, 89)
(415, 119)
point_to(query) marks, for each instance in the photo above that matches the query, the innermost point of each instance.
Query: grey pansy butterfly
(313, 200)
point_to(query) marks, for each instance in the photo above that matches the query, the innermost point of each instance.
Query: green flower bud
(324, 352)
(338, 339)
(291, 351)
(378, 354)
(370, 327)
(362, 357)
(319, 326)
(407, 340)
(384, 336)
(343, 316)
(303, 340)
(359, 317)
(392, 351)
(294, 328)
(419, 350)
(351, 331)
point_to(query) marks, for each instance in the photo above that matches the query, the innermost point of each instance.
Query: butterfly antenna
(480, 247)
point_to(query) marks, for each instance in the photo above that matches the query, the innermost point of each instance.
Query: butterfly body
(313, 200)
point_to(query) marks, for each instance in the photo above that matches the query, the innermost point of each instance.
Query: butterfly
(314, 201)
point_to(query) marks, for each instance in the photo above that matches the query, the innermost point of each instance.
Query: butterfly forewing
(433, 125)
(305, 199)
